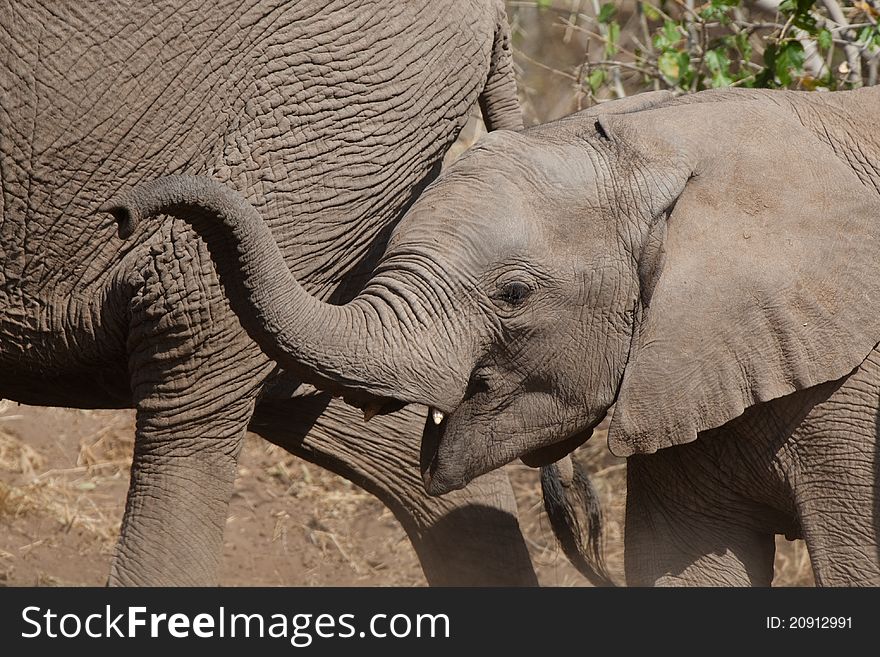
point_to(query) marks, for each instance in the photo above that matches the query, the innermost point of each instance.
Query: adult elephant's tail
(572, 504)
(499, 102)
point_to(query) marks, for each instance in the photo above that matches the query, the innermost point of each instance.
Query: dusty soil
(64, 474)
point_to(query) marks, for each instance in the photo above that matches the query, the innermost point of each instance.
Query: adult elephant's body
(708, 264)
(333, 116)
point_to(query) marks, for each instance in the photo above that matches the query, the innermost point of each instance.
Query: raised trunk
(359, 348)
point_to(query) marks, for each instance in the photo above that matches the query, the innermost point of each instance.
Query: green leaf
(824, 39)
(684, 68)
(716, 61)
(671, 31)
(766, 77)
(799, 11)
(716, 10)
(805, 22)
(668, 37)
(597, 77)
(668, 64)
(606, 13)
(796, 6)
(612, 37)
(870, 37)
(744, 46)
(789, 59)
(651, 12)
(720, 80)
(718, 64)
(544, 4)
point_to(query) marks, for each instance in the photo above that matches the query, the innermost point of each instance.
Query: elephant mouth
(447, 463)
(450, 458)
(429, 454)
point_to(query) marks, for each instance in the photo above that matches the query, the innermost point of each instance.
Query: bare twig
(542, 65)
(688, 6)
(572, 18)
(854, 76)
(604, 39)
(646, 34)
(785, 27)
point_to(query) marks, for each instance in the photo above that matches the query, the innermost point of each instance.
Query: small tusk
(371, 411)
(437, 416)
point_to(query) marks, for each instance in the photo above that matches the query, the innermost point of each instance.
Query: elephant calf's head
(677, 261)
(526, 284)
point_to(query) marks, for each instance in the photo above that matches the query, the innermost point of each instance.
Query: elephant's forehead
(485, 202)
(473, 211)
(508, 192)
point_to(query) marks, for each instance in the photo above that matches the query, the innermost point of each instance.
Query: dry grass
(291, 522)
(66, 495)
(330, 520)
(17, 457)
(792, 564)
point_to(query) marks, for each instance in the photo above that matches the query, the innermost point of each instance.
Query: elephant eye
(514, 292)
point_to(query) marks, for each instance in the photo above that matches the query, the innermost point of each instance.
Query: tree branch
(853, 59)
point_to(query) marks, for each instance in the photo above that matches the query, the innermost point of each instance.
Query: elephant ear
(770, 273)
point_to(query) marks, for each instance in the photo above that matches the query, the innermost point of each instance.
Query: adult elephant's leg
(684, 530)
(194, 380)
(466, 538)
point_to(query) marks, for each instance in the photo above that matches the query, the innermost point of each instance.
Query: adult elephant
(709, 264)
(332, 115)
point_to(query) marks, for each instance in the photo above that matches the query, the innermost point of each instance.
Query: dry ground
(64, 473)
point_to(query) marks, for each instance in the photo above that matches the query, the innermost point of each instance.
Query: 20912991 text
(809, 622)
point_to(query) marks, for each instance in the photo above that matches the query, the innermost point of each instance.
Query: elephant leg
(195, 377)
(839, 524)
(181, 483)
(841, 552)
(835, 466)
(469, 537)
(681, 533)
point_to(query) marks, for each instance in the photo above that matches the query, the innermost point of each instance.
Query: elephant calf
(709, 264)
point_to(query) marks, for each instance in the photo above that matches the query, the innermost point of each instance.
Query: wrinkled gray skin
(710, 264)
(331, 116)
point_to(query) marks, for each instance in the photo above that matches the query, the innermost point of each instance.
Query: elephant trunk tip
(127, 218)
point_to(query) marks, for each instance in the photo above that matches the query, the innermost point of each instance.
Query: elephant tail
(572, 504)
(499, 102)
